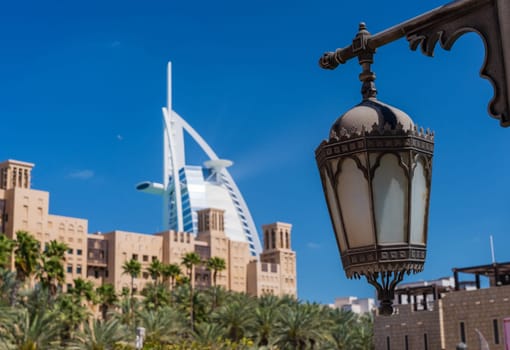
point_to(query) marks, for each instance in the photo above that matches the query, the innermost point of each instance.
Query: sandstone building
(99, 257)
(440, 314)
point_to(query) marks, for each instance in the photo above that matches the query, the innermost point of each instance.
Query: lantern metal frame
(383, 265)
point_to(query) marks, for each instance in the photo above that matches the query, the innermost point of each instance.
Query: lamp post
(376, 170)
(376, 165)
(140, 337)
(490, 19)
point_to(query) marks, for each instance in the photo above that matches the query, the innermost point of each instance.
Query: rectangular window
(154, 258)
(78, 269)
(145, 275)
(496, 331)
(78, 251)
(96, 273)
(70, 251)
(135, 257)
(69, 268)
(388, 346)
(462, 332)
(406, 342)
(105, 273)
(145, 258)
(425, 342)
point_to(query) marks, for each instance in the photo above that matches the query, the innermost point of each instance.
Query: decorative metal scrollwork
(488, 18)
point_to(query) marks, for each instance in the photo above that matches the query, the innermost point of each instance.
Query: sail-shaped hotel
(188, 188)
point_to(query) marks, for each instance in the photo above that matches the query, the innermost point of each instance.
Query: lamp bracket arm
(445, 24)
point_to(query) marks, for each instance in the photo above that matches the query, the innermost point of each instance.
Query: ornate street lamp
(376, 171)
(376, 166)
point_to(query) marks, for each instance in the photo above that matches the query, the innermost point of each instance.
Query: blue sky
(82, 84)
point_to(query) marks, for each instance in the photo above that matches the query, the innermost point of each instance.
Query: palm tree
(35, 300)
(216, 297)
(26, 255)
(55, 248)
(26, 259)
(190, 260)
(70, 314)
(171, 271)
(236, 317)
(302, 327)
(51, 271)
(155, 269)
(6, 247)
(97, 335)
(132, 268)
(216, 264)
(83, 289)
(107, 297)
(124, 310)
(208, 334)
(156, 296)
(6, 277)
(7, 285)
(365, 332)
(342, 332)
(162, 326)
(19, 329)
(267, 314)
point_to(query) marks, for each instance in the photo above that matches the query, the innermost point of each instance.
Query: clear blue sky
(82, 84)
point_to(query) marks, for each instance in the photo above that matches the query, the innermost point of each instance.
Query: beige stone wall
(27, 210)
(252, 277)
(482, 309)
(415, 325)
(176, 245)
(239, 256)
(263, 278)
(477, 309)
(73, 232)
(124, 246)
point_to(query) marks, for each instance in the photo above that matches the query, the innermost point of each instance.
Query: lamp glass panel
(334, 210)
(354, 195)
(390, 194)
(419, 196)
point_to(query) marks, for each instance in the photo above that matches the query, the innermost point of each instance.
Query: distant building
(186, 188)
(439, 314)
(99, 257)
(354, 304)
(25, 209)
